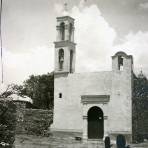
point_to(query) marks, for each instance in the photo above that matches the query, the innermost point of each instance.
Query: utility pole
(1, 46)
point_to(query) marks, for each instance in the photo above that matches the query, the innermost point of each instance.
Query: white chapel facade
(92, 104)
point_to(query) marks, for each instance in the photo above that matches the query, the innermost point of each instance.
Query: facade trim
(66, 43)
(91, 99)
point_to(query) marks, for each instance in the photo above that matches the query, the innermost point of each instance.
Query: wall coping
(121, 53)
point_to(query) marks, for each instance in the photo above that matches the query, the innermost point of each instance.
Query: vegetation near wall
(40, 89)
(15, 119)
(7, 123)
(140, 108)
(34, 121)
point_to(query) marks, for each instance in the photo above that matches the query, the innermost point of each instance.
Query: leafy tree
(40, 88)
(140, 86)
(140, 103)
(7, 118)
(12, 89)
(7, 123)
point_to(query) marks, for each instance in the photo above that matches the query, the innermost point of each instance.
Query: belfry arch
(70, 31)
(62, 31)
(61, 58)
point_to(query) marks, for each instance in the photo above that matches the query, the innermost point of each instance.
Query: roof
(16, 97)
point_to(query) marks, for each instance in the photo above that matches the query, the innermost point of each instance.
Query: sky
(102, 27)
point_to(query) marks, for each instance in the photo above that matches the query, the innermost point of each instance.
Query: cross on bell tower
(65, 6)
(64, 45)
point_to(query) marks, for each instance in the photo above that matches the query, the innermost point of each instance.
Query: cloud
(94, 38)
(144, 5)
(95, 42)
(58, 8)
(18, 66)
(137, 45)
(95, 46)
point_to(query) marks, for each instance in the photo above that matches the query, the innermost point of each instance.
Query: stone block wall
(33, 121)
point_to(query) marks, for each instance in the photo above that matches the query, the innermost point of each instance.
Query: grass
(61, 141)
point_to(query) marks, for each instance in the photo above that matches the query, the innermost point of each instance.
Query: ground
(61, 141)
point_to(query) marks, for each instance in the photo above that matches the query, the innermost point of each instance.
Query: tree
(7, 117)
(7, 122)
(11, 89)
(40, 89)
(140, 103)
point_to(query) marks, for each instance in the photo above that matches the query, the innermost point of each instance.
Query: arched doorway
(95, 123)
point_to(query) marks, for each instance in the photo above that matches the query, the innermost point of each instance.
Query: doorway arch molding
(89, 101)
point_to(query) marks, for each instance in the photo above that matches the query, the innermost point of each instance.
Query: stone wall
(33, 121)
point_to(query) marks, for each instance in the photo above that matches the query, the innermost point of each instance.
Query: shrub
(7, 123)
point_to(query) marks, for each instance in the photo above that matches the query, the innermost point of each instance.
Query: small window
(60, 95)
(120, 63)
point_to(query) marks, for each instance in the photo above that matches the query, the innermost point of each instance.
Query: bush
(7, 123)
(37, 121)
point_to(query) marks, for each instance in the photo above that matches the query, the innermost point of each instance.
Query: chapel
(93, 104)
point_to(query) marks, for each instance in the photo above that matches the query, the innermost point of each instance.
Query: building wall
(68, 110)
(120, 106)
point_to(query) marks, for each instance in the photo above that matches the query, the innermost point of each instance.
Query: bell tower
(64, 45)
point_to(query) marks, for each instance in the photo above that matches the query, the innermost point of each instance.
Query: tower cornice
(64, 44)
(64, 18)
